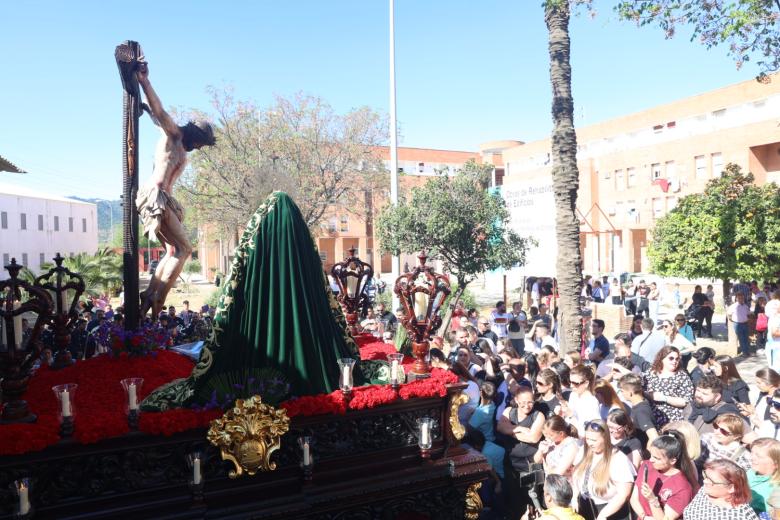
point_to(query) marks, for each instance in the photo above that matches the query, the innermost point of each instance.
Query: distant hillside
(105, 214)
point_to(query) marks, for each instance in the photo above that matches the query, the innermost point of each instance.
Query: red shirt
(674, 491)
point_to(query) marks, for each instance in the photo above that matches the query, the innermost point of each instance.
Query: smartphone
(644, 473)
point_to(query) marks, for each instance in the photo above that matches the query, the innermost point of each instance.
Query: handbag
(762, 321)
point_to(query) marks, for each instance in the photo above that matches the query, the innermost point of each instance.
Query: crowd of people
(643, 426)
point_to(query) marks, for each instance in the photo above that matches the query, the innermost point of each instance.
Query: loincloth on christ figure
(152, 203)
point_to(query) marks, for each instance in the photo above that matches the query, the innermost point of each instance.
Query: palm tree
(565, 174)
(102, 272)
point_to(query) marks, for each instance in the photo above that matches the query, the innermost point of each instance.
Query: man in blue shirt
(598, 348)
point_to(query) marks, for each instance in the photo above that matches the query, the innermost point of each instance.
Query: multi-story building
(634, 169)
(34, 227)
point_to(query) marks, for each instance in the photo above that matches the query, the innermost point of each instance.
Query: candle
(17, 327)
(65, 397)
(346, 377)
(420, 305)
(306, 455)
(425, 434)
(24, 499)
(394, 372)
(196, 478)
(132, 397)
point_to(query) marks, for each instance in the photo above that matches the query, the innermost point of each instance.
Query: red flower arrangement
(99, 399)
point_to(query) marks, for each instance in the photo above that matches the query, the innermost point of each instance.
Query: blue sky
(467, 72)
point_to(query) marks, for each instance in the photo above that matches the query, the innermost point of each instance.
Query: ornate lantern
(422, 293)
(62, 283)
(352, 276)
(16, 357)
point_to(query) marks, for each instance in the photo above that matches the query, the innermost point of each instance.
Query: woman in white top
(603, 478)
(559, 448)
(582, 405)
(772, 348)
(675, 339)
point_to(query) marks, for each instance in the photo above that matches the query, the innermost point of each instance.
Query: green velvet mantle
(276, 310)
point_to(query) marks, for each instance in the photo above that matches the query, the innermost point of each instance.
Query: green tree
(298, 145)
(192, 267)
(455, 220)
(102, 272)
(565, 174)
(747, 27)
(731, 231)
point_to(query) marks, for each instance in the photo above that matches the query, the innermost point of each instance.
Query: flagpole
(396, 261)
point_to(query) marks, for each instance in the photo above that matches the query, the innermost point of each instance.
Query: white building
(35, 226)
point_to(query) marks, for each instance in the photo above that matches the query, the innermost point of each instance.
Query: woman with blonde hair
(689, 433)
(603, 478)
(582, 405)
(725, 494)
(572, 358)
(725, 441)
(764, 473)
(621, 433)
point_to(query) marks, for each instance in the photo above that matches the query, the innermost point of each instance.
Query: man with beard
(708, 404)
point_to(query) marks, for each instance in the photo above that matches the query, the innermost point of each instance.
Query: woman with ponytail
(667, 482)
(559, 448)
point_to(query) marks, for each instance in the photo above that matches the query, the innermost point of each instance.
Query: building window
(619, 210)
(23, 220)
(655, 171)
(83, 225)
(41, 259)
(6, 259)
(40, 222)
(671, 170)
(658, 207)
(700, 163)
(631, 177)
(323, 256)
(717, 164)
(344, 223)
(3, 220)
(671, 203)
(620, 180)
(24, 259)
(719, 113)
(607, 174)
(420, 167)
(332, 225)
(658, 129)
(70, 224)
(56, 223)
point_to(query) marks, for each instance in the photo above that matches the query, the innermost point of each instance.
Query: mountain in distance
(108, 212)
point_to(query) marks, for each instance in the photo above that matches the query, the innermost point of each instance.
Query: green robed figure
(275, 311)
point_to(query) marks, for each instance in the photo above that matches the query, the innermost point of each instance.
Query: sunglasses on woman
(578, 383)
(593, 425)
(776, 404)
(723, 431)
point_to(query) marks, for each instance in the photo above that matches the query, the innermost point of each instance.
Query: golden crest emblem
(248, 434)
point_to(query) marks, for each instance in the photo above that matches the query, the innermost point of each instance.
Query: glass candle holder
(132, 386)
(22, 487)
(425, 433)
(306, 456)
(195, 462)
(395, 367)
(66, 396)
(345, 374)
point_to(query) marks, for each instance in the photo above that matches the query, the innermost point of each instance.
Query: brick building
(634, 169)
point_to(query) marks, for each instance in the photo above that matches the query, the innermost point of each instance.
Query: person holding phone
(666, 482)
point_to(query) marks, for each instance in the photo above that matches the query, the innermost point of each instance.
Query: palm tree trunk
(565, 175)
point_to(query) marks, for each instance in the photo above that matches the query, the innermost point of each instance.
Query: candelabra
(62, 283)
(16, 357)
(352, 276)
(422, 292)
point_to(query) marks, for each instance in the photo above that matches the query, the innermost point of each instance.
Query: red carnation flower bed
(99, 399)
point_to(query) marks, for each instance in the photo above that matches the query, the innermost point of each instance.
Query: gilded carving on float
(473, 502)
(456, 401)
(248, 434)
